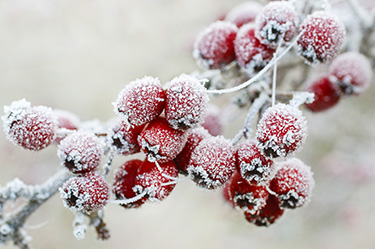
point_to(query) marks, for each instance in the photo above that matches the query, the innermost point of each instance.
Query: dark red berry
(351, 72)
(214, 47)
(278, 21)
(140, 101)
(243, 13)
(186, 102)
(322, 37)
(80, 152)
(293, 183)
(156, 180)
(268, 214)
(252, 165)
(86, 193)
(281, 131)
(212, 162)
(326, 95)
(251, 55)
(160, 142)
(32, 128)
(123, 185)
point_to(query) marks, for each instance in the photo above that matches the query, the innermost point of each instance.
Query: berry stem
(130, 200)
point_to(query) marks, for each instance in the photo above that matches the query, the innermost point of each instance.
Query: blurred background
(77, 56)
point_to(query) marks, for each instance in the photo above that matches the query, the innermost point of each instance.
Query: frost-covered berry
(160, 142)
(86, 193)
(293, 183)
(267, 215)
(245, 196)
(251, 55)
(66, 120)
(124, 138)
(252, 165)
(186, 102)
(156, 180)
(212, 120)
(278, 21)
(326, 94)
(243, 13)
(212, 162)
(80, 152)
(194, 137)
(140, 101)
(281, 131)
(31, 127)
(322, 37)
(123, 185)
(213, 48)
(351, 72)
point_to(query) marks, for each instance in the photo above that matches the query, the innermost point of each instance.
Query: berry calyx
(186, 102)
(281, 131)
(80, 152)
(31, 127)
(212, 162)
(326, 95)
(141, 101)
(322, 37)
(86, 193)
(293, 183)
(214, 47)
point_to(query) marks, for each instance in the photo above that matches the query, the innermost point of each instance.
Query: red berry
(352, 72)
(326, 96)
(186, 102)
(281, 131)
(80, 152)
(124, 138)
(268, 214)
(86, 193)
(66, 120)
(251, 55)
(140, 101)
(322, 37)
(160, 142)
(156, 181)
(278, 21)
(252, 165)
(212, 162)
(243, 13)
(212, 121)
(123, 185)
(293, 183)
(245, 196)
(33, 128)
(194, 137)
(214, 47)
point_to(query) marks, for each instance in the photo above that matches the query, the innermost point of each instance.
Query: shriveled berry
(86, 193)
(212, 162)
(251, 55)
(351, 72)
(278, 21)
(80, 152)
(123, 185)
(31, 127)
(293, 183)
(124, 138)
(140, 101)
(213, 48)
(326, 94)
(252, 165)
(186, 102)
(245, 196)
(160, 142)
(212, 120)
(281, 131)
(156, 180)
(243, 13)
(194, 137)
(267, 215)
(322, 37)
